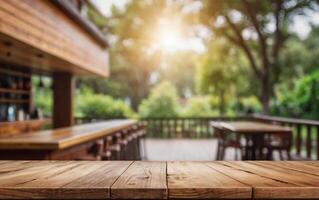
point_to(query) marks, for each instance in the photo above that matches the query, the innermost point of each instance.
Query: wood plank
(245, 176)
(142, 180)
(9, 166)
(307, 167)
(299, 185)
(198, 180)
(62, 180)
(158, 180)
(64, 137)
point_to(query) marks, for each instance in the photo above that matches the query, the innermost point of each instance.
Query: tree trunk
(222, 103)
(264, 94)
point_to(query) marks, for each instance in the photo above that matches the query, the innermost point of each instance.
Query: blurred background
(184, 58)
(176, 64)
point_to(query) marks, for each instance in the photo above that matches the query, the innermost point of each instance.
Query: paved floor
(186, 149)
(183, 149)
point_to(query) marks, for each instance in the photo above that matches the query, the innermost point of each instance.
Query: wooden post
(63, 85)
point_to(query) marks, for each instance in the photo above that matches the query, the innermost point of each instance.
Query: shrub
(100, 106)
(301, 101)
(198, 107)
(162, 102)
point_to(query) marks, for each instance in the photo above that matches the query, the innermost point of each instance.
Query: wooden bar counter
(159, 180)
(58, 144)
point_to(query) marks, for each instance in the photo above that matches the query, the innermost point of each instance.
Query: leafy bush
(42, 97)
(43, 101)
(250, 104)
(162, 102)
(100, 106)
(198, 107)
(300, 101)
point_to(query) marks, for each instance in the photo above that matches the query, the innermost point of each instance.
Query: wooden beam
(63, 84)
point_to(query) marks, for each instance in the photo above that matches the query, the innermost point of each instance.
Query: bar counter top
(62, 138)
(159, 180)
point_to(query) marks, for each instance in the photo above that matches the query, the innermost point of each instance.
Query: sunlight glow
(169, 36)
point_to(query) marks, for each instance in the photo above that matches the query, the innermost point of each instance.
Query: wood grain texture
(142, 180)
(285, 183)
(61, 180)
(64, 137)
(158, 180)
(43, 27)
(197, 180)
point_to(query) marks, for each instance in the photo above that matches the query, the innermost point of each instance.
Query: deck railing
(183, 127)
(305, 138)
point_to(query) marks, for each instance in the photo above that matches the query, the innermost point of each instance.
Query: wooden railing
(305, 138)
(183, 127)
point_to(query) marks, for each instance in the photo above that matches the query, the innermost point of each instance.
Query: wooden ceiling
(39, 35)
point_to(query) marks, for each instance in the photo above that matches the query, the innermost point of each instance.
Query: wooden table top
(62, 138)
(159, 180)
(253, 127)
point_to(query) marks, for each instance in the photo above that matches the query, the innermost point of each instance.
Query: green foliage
(162, 102)
(250, 104)
(301, 101)
(180, 72)
(100, 106)
(198, 107)
(223, 73)
(42, 97)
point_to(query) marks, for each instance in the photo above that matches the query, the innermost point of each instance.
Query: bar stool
(129, 136)
(141, 140)
(123, 142)
(115, 147)
(280, 142)
(107, 153)
(135, 143)
(94, 152)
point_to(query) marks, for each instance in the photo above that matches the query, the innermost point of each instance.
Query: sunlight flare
(168, 36)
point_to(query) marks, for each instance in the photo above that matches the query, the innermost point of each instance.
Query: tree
(222, 72)
(132, 59)
(311, 44)
(180, 72)
(259, 29)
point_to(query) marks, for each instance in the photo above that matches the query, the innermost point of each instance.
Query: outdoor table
(254, 132)
(59, 144)
(159, 180)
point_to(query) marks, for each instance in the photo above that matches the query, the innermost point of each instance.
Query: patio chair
(107, 153)
(94, 152)
(141, 140)
(278, 142)
(227, 140)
